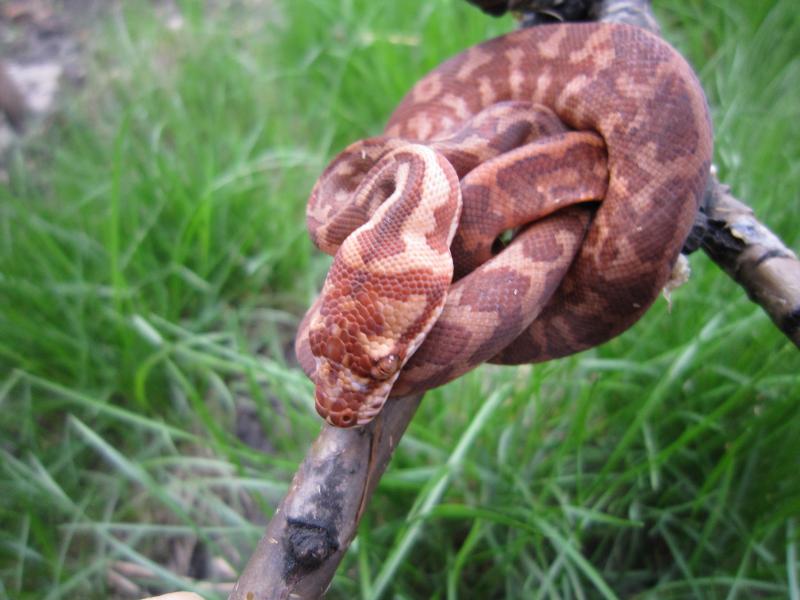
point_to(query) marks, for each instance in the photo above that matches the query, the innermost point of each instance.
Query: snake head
(346, 394)
(387, 284)
(360, 338)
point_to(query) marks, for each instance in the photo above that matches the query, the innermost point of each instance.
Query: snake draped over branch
(527, 200)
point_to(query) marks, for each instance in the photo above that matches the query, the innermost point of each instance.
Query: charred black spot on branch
(719, 244)
(308, 544)
(311, 540)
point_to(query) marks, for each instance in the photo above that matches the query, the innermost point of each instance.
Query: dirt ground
(43, 45)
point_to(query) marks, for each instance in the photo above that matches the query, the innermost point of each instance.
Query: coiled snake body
(527, 200)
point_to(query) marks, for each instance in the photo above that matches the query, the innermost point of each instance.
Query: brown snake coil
(586, 145)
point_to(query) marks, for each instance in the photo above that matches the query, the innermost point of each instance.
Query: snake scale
(527, 200)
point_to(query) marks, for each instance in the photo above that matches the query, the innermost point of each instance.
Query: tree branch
(312, 528)
(753, 257)
(318, 519)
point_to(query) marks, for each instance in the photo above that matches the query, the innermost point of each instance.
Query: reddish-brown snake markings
(590, 142)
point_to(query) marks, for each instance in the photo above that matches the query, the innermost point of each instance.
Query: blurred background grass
(153, 266)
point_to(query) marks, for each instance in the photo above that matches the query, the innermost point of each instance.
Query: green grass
(153, 265)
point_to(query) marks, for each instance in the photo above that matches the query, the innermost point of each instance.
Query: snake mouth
(349, 408)
(335, 413)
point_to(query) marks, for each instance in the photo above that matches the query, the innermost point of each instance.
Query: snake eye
(385, 367)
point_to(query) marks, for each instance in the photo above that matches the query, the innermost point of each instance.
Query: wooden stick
(318, 519)
(312, 528)
(753, 257)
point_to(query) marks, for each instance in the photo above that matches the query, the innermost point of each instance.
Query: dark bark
(546, 10)
(753, 257)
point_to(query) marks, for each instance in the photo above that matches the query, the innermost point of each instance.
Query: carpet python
(527, 199)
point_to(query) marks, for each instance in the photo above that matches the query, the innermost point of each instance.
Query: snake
(527, 200)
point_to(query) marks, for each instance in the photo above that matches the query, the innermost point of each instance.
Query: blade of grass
(433, 492)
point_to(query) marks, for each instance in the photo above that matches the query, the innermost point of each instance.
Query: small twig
(317, 520)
